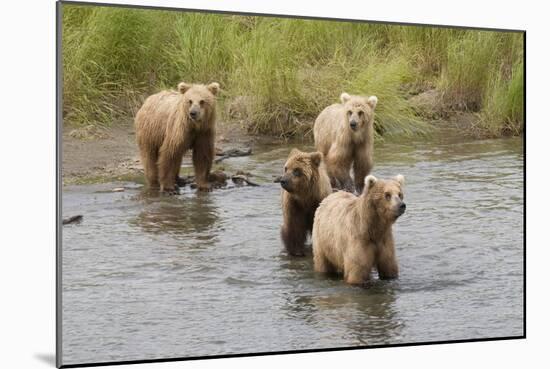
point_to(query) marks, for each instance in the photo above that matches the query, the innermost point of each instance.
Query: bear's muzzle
(401, 209)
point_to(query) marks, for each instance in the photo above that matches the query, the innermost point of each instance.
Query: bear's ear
(183, 87)
(344, 97)
(372, 101)
(214, 87)
(294, 152)
(370, 180)
(400, 179)
(316, 158)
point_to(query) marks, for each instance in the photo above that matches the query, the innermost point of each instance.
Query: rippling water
(204, 274)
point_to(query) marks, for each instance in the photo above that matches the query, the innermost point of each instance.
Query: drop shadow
(46, 358)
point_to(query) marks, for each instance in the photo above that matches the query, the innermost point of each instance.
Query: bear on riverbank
(171, 122)
(305, 184)
(344, 133)
(352, 234)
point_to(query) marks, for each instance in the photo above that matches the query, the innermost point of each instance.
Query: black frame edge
(307, 351)
(58, 184)
(525, 184)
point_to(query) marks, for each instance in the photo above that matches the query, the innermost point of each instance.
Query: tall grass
(283, 72)
(503, 110)
(110, 56)
(484, 73)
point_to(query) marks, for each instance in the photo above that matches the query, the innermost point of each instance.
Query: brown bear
(305, 184)
(344, 133)
(352, 234)
(171, 122)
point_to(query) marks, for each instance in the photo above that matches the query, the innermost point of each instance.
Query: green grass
(503, 110)
(280, 73)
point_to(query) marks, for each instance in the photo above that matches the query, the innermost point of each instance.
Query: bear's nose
(402, 207)
(194, 114)
(353, 124)
(283, 182)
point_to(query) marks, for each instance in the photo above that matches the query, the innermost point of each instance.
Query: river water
(198, 274)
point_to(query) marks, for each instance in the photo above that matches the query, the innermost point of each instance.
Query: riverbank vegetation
(277, 74)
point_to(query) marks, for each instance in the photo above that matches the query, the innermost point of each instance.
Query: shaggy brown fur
(305, 184)
(344, 133)
(171, 122)
(353, 234)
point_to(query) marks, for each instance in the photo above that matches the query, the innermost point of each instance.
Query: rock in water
(73, 219)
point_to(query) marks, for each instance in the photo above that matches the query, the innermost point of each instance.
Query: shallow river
(204, 274)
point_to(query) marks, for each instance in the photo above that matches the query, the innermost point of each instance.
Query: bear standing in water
(351, 234)
(171, 122)
(305, 184)
(344, 133)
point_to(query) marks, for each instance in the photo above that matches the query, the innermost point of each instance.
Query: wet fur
(165, 131)
(299, 205)
(343, 147)
(352, 234)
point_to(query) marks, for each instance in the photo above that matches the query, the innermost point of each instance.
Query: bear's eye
(296, 173)
(190, 102)
(349, 112)
(201, 102)
(360, 113)
(387, 195)
(401, 195)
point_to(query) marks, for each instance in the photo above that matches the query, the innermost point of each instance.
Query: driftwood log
(73, 219)
(218, 179)
(231, 153)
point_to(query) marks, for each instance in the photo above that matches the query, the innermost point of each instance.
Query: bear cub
(352, 234)
(171, 122)
(305, 184)
(344, 133)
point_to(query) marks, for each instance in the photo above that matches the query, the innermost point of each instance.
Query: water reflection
(353, 315)
(190, 215)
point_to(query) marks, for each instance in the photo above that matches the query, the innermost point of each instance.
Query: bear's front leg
(358, 262)
(356, 274)
(203, 156)
(294, 231)
(362, 165)
(294, 238)
(338, 171)
(386, 260)
(321, 264)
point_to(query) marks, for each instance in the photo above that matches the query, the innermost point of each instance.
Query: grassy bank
(278, 74)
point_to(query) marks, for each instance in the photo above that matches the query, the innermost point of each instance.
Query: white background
(27, 185)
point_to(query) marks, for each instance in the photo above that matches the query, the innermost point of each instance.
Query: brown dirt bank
(92, 154)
